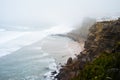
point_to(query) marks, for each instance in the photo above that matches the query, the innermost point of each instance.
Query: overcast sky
(55, 11)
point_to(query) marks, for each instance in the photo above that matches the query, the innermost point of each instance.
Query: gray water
(36, 61)
(24, 64)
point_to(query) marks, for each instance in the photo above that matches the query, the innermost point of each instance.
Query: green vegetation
(105, 67)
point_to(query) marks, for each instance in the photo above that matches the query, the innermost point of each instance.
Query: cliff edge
(101, 55)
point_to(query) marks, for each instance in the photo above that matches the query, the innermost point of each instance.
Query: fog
(39, 13)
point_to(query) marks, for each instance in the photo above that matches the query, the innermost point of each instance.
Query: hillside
(101, 55)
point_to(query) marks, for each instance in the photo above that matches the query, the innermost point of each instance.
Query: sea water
(32, 55)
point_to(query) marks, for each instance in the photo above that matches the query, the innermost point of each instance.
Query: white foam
(6, 51)
(11, 41)
(52, 67)
(5, 36)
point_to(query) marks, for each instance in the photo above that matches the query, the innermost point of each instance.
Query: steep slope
(101, 55)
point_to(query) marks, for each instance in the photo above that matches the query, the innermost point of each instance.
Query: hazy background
(27, 52)
(39, 13)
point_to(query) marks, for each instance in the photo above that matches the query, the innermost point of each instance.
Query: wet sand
(61, 48)
(33, 61)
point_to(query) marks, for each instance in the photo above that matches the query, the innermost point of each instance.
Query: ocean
(33, 55)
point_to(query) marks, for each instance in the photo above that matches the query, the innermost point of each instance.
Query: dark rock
(102, 37)
(54, 72)
(69, 61)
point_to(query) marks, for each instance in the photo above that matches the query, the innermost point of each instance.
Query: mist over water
(27, 51)
(24, 54)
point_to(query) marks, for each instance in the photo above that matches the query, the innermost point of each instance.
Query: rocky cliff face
(102, 38)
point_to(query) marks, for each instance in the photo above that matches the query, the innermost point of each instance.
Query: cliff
(101, 55)
(81, 32)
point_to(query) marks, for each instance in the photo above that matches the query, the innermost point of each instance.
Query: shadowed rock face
(102, 37)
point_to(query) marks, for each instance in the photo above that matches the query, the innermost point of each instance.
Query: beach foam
(11, 41)
(31, 55)
(52, 67)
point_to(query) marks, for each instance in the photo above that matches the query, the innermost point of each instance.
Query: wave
(54, 68)
(11, 41)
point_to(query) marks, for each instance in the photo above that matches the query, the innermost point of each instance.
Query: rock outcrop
(102, 38)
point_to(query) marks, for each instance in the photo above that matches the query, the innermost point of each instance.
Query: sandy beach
(38, 60)
(61, 48)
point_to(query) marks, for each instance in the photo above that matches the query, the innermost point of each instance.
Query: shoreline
(107, 32)
(60, 51)
(64, 49)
